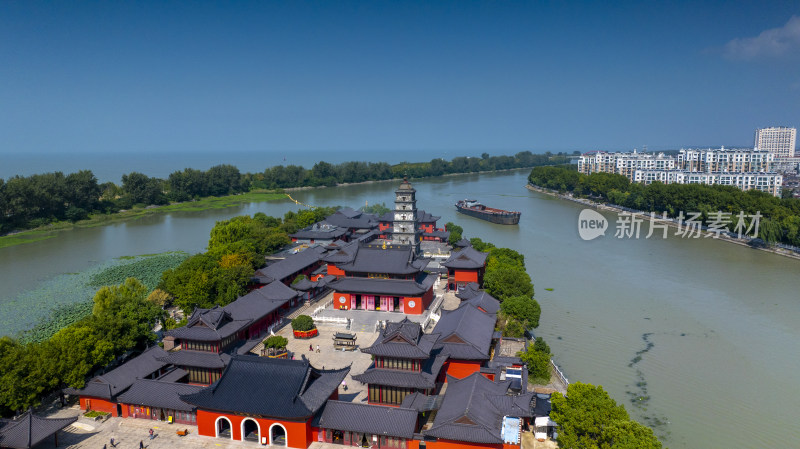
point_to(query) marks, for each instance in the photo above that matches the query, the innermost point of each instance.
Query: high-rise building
(778, 140)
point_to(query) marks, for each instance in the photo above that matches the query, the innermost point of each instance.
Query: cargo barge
(478, 210)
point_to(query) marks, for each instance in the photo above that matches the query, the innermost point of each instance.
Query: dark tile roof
(468, 291)
(463, 243)
(277, 291)
(391, 287)
(444, 235)
(349, 220)
(157, 393)
(349, 212)
(465, 333)
(408, 379)
(345, 252)
(467, 257)
(258, 303)
(116, 381)
(197, 359)
(484, 301)
(247, 346)
(390, 260)
(425, 217)
(543, 406)
(468, 414)
(28, 430)
(421, 402)
(319, 231)
(290, 265)
(276, 388)
(304, 285)
(402, 339)
(371, 419)
(210, 325)
(520, 406)
(422, 217)
(325, 280)
(174, 375)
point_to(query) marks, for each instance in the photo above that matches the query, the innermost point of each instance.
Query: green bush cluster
(588, 418)
(303, 323)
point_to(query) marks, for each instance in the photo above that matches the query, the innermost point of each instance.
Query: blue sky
(386, 76)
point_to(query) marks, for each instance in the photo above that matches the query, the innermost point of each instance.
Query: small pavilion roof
(424, 379)
(403, 339)
(473, 409)
(465, 333)
(484, 301)
(468, 291)
(29, 430)
(468, 258)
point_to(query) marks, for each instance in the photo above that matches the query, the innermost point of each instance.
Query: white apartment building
(766, 182)
(725, 160)
(787, 164)
(778, 140)
(623, 163)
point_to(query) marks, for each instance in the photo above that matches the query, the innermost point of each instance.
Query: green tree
(303, 323)
(538, 363)
(541, 345)
(80, 349)
(523, 308)
(276, 342)
(628, 435)
(583, 414)
(507, 281)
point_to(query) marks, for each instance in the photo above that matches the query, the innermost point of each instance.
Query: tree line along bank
(32, 201)
(780, 222)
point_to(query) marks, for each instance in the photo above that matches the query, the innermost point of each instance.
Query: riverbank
(207, 203)
(646, 216)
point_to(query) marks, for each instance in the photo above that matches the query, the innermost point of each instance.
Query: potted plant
(275, 347)
(303, 327)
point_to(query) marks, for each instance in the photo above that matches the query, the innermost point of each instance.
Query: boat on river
(478, 210)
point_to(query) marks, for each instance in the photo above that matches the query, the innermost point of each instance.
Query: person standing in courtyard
(317, 348)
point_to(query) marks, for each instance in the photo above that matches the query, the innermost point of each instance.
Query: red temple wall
(298, 434)
(466, 275)
(335, 271)
(98, 404)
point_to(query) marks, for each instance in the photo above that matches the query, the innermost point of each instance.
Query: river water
(722, 320)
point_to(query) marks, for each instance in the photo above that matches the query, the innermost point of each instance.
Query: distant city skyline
(448, 76)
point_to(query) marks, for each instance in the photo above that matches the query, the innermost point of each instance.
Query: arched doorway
(277, 435)
(223, 427)
(251, 431)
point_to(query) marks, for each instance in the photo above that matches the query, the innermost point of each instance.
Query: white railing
(560, 373)
(331, 320)
(276, 325)
(437, 304)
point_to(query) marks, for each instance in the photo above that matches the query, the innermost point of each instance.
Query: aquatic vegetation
(37, 314)
(147, 269)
